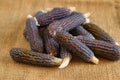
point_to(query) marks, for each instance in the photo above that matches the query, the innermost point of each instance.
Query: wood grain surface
(105, 13)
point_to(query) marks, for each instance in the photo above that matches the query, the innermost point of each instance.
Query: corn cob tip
(65, 62)
(58, 61)
(72, 8)
(94, 60)
(87, 20)
(29, 16)
(87, 15)
(93, 37)
(36, 21)
(117, 43)
(54, 33)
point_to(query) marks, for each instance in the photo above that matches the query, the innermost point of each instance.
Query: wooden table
(105, 13)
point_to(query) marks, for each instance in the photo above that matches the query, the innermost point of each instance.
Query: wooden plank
(13, 16)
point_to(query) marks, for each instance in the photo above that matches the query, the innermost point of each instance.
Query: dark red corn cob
(98, 33)
(55, 14)
(79, 30)
(68, 23)
(34, 58)
(35, 40)
(75, 46)
(51, 46)
(66, 56)
(102, 48)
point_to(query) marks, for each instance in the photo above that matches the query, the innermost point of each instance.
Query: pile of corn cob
(57, 34)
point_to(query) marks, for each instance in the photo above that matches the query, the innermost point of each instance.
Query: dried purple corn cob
(25, 32)
(79, 30)
(55, 14)
(75, 46)
(102, 48)
(68, 23)
(51, 46)
(98, 33)
(34, 58)
(35, 40)
(66, 56)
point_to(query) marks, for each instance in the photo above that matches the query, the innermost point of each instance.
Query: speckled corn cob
(25, 32)
(34, 58)
(52, 15)
(75, 46)
(35, 40)
(68, 23)
(101, 48)
(98, 33)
